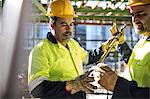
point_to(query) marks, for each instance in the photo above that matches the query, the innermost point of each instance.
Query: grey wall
(14, 17)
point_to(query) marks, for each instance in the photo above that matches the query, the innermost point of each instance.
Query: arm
(90, 57)
(39, 84)
(121, 87)
(123, 47)
(95, 55)
(68, 89)
(125, 51)
(50, 89)
(129, 89)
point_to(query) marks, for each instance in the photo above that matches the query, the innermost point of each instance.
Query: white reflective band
(86, 60)
(36, 82)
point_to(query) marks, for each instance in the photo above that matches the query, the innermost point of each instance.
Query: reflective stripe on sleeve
(36, 82)
(86, 60)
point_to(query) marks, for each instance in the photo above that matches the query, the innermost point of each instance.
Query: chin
(67, 40)
(139, 32)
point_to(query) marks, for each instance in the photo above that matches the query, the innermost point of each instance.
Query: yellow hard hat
(138, 2)
(61, 8)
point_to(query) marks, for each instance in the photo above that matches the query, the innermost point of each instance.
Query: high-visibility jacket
(138, 68)
(54, 62)
(51, 65)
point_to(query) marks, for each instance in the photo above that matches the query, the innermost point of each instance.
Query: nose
(135, 18)
(67, 27)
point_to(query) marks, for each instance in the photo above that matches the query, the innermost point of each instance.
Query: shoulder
(41, 46)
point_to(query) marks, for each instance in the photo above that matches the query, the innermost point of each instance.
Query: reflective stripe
(36, 82)
(86, 60)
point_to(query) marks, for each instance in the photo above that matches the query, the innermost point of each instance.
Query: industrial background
(95, 17)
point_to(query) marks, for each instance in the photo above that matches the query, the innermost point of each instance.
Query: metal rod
(115, 39)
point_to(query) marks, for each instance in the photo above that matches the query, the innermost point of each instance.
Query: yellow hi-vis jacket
(54, 62)
(138, 68)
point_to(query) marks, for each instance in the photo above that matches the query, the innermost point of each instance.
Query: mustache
(68, 32)
(138, 23)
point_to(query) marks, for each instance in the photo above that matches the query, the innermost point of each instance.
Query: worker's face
(141, 18)
(63, 29)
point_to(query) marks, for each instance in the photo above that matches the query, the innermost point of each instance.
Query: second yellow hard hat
(138, 2)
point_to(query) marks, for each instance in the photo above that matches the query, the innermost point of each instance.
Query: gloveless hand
(108, 77)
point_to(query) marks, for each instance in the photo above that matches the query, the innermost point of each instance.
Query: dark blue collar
(51, 38)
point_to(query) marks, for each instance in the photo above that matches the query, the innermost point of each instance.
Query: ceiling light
(78, 3)
(44, 1)
(92, 4)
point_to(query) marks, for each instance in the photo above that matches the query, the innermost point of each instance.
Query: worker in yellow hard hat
(56, 63)
(138, 66)
(138, 59)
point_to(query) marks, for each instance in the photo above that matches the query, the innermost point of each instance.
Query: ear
(52, 26)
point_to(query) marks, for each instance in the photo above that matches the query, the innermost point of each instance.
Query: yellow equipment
(113, 42)
(138, 2)
(61, 8)
(114, 30)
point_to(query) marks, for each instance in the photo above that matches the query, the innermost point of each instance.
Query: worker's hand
(114, 31)
(81, 83)
(108, 78)
(106, 45)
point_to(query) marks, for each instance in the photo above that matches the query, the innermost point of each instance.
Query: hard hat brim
(137, 4)
(63, 16)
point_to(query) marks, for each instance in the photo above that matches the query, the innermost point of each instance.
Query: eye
(72, 24)
(64, 24)
(141, 14)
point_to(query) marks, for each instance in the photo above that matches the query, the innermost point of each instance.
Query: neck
(64, 43)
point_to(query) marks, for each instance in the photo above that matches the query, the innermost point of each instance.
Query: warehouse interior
(92, 27)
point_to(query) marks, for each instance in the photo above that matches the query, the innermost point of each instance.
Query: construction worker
(56, 63)
(121, 87)
(138, 65)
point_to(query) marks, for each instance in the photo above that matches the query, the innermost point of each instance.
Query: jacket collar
(51, 38)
